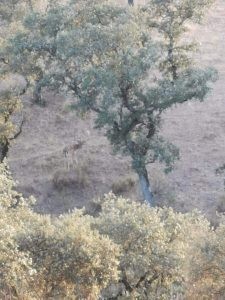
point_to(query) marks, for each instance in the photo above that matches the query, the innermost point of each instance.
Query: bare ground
(37, 162)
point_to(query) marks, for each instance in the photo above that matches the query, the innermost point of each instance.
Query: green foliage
(9, 9)
(45, 258)
(136, 251)
(103, 55)
(208, 267)
(9, 104)
(69, 258)
(171, 19)
(158, 246)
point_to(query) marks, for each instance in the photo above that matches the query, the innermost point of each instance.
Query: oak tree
(118, 72)
(106, 57)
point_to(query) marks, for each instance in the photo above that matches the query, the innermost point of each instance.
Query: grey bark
(131, 2)
(37, 96)
(145, 187)
(30, 5)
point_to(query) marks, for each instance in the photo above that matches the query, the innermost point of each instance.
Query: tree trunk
(131, 2)
(4, 150)
(171, 58)
(30, 5)
(37, 97)
(145, 187)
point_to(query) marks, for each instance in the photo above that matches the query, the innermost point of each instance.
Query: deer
(69, 152)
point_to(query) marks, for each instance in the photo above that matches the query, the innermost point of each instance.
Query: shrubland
(107, 59)
(128, 250)
(42, 257)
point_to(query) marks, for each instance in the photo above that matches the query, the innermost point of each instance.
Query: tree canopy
(108, 58)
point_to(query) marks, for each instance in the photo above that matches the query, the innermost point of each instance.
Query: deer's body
(69, 152)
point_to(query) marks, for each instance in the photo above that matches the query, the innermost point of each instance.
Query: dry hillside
(37, 162)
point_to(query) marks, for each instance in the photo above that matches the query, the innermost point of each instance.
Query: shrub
(123, 185)
(69, 258)
(158, 246)
(129, 250)
(221, 205)
(76, 178)
(43, 258)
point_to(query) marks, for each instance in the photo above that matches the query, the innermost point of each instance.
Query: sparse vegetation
(76, 178)
(122, 69)
(123, 185)
(143, 252)
(161, 189)
(221, 205)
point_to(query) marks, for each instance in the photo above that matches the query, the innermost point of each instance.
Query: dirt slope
(199, 128)
(36, 158)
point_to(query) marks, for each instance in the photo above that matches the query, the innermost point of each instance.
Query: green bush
(128, 251)
(46, 258)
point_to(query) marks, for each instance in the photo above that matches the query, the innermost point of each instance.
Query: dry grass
(123, 185)
(77, 178)
(161, 189)
(220, 208)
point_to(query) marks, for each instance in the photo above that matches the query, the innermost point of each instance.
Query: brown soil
(37, 162)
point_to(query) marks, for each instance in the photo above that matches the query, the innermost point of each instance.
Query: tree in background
(33, 51)
(12, 13)
(171, 19)
(121, 79)
(104, 55)
(9, 8)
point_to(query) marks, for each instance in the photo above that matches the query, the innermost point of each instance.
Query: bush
(221, 205)
(76, 178)
(157, 246)
(129, 250)
(123, 185)
(46, 258)
(69, 258)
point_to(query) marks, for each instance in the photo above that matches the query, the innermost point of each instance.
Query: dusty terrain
(37, 162)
